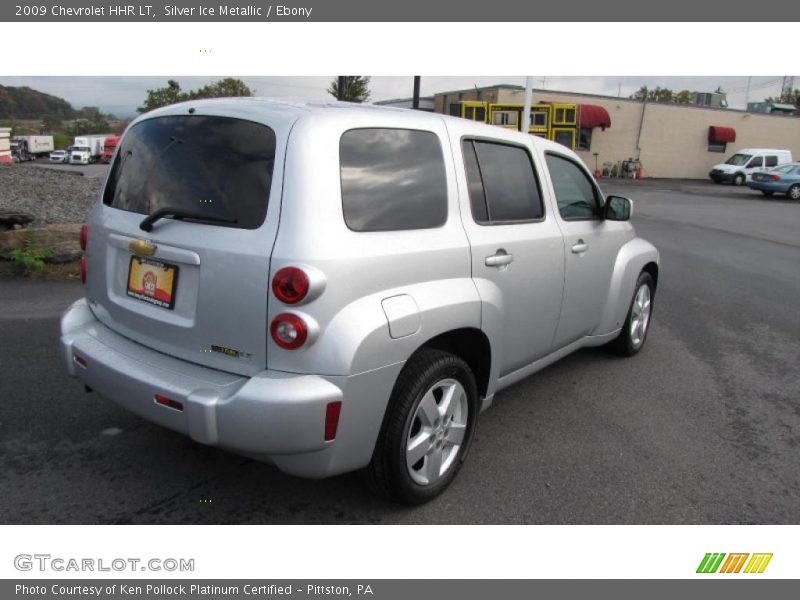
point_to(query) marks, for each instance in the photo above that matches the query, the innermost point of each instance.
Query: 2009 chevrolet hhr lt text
(339, 287)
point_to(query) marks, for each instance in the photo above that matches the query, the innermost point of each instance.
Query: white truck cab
(739, 167)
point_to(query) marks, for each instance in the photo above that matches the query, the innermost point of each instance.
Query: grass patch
(53, 272)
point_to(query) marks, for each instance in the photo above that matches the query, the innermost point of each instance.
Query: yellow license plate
(152, 281)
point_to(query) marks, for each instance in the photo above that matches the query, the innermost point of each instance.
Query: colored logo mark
(734, 563)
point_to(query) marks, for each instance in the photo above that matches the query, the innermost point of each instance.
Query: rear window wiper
(179, 213)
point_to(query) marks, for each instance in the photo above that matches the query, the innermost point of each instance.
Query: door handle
(500, 259)
(580, 247)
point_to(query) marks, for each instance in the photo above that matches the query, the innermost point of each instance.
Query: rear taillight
(288, 331)
(84, 236)
(332, 412)
(168, 402)
(290, 285)
(83, 269)
(775, 177)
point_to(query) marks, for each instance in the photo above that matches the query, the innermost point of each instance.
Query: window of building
(455, 109)
(502, 181)
(564, 116)
(392, 179)
(505, 117)
(717, 146)
(576, 195)
(585, 139)
(538, 119)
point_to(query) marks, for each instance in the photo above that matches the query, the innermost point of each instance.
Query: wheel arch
(635, 257)
(472, 346)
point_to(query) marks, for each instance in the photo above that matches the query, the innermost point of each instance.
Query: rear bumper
(779, 187)
(273, 416)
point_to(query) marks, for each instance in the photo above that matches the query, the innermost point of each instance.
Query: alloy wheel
(437, 431)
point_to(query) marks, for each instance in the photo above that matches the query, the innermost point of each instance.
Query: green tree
(50, 124)
(792, 98)
(659, 94)
(356, 88)
(224, 88)
(161, 97)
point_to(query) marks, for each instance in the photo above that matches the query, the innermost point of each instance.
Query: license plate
(152, 281)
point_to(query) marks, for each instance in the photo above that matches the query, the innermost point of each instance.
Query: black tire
(767, 192)
(387, 473)
(738, 179)
(794, 192)
(625, 344)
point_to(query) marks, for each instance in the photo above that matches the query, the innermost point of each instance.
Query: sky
(121, 95)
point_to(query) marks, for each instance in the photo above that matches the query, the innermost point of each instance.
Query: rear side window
(217, 167)
(392, 179)
(771, 161)
(503, 186)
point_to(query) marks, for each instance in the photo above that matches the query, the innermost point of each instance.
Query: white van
(738, 168)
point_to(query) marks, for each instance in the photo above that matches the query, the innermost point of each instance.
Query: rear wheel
(738, 179)
(794, 192)
(634, 332)
(427, 428)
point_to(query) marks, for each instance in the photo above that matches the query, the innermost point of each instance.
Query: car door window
(576, 195)
(756, 162)
(502, 182)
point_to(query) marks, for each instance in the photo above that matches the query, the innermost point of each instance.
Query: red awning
(592, 116)
(720, 135)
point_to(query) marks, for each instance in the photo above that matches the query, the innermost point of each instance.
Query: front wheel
(634, 332)
(738, 179)
(794, 192)
(427, 429)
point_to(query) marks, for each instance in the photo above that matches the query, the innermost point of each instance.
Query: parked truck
(110, 146)
(87, 149)
(30, 147)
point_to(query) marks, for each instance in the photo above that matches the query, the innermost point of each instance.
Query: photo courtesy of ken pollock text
(194, 589)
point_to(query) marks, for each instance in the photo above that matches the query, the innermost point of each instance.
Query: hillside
(27, 103)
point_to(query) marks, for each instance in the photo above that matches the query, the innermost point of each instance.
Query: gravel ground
(50, 196)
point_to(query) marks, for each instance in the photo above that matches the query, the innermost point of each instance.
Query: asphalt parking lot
(702, 427)
(94, 170)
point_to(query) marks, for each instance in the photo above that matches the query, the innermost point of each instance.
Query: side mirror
(618, 208)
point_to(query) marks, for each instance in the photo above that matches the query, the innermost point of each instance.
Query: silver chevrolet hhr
(331, 287)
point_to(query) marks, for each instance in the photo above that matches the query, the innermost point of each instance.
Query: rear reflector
(168, 402)
(84, 236)
(79, 360)
(332, 412)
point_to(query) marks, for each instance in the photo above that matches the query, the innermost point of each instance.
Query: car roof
(282, 113)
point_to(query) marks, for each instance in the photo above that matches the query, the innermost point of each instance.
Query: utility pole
(341, 86)
(526, 112)
(786, 88)
(415, 101)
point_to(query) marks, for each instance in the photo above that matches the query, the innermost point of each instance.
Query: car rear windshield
(215, 166)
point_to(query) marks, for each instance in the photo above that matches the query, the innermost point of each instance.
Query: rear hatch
(196, 285)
